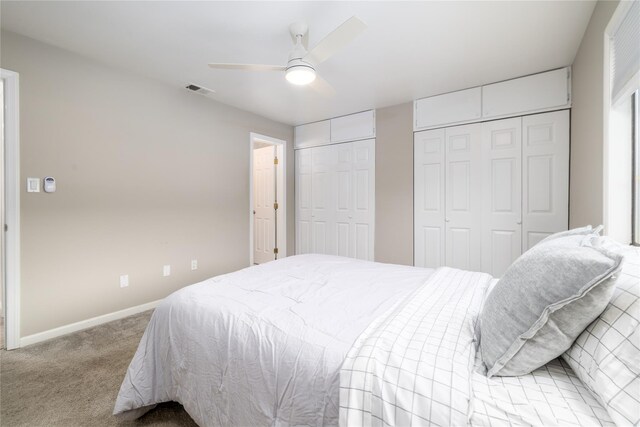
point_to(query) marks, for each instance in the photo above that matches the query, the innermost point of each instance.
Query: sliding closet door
(362, 220)
(429, 198)
(303, 201)
(501, 183)
(463, 218)
(545, 164)
(322, 209)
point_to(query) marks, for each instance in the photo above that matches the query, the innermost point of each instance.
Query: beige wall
(394, 184)
(586, 196)
(147, 175)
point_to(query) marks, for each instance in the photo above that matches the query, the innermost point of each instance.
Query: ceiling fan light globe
(300, 75)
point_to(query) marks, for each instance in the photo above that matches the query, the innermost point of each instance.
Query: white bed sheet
(552, 395)
(263, 345)
(413, 366)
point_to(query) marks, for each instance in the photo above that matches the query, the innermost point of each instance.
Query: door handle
(446, 220)
(519, 222)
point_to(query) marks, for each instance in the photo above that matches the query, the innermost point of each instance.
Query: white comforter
(264, 345)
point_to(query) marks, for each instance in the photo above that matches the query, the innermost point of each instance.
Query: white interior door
(263, 204)
(502, 201)
(463, 197)
(429, 198)
(322, 210)
(303, 201)
(362, 218)
(545, 192)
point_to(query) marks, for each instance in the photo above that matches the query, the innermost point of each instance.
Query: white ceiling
(410, 49)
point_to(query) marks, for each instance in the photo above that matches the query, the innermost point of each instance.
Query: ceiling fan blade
(322, 87)
(336, 40)
(250, 67)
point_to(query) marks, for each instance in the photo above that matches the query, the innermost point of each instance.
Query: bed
(263, 345)
(324, 340)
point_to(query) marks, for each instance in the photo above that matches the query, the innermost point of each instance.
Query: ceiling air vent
(200, 89)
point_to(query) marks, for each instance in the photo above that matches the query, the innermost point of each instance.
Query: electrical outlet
(124, 280)
(166, 270)
(194, 264)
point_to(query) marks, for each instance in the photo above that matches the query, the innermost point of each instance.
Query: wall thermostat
(49, 184)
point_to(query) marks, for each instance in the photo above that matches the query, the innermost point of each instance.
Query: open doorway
(267, 236)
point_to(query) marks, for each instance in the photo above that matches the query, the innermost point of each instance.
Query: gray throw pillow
(544, 301)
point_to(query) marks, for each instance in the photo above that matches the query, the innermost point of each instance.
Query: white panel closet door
(545, 192)
(322, 206)
(343, 192)
(303, 201)
(335, 200)
(362, 219)
(429, 198)
(502, 201)
(463, 197)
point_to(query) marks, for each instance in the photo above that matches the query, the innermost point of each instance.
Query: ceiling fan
(301, 66)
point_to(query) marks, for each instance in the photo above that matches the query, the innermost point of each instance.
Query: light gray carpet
(74, 380)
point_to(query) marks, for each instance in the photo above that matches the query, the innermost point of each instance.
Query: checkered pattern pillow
(606, 356)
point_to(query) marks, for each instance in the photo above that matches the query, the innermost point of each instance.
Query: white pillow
(606, 356)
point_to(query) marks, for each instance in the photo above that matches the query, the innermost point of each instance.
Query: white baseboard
(84, 324)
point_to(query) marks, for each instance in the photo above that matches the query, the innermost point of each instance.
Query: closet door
(463, 197)
(335, 200)
(322, 209)
(501, 183)
(429, 198)
(545, 165)
(303, 201)
(362, 219)
(343, 193)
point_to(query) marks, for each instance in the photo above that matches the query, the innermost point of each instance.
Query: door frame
(11, 297)
(281, 152)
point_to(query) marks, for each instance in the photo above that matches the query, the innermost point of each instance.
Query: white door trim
(281, 149)
(11, 298)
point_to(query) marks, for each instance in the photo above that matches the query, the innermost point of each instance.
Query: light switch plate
(124, 280)
(33, 185)
(194, 264)
(166, 270)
